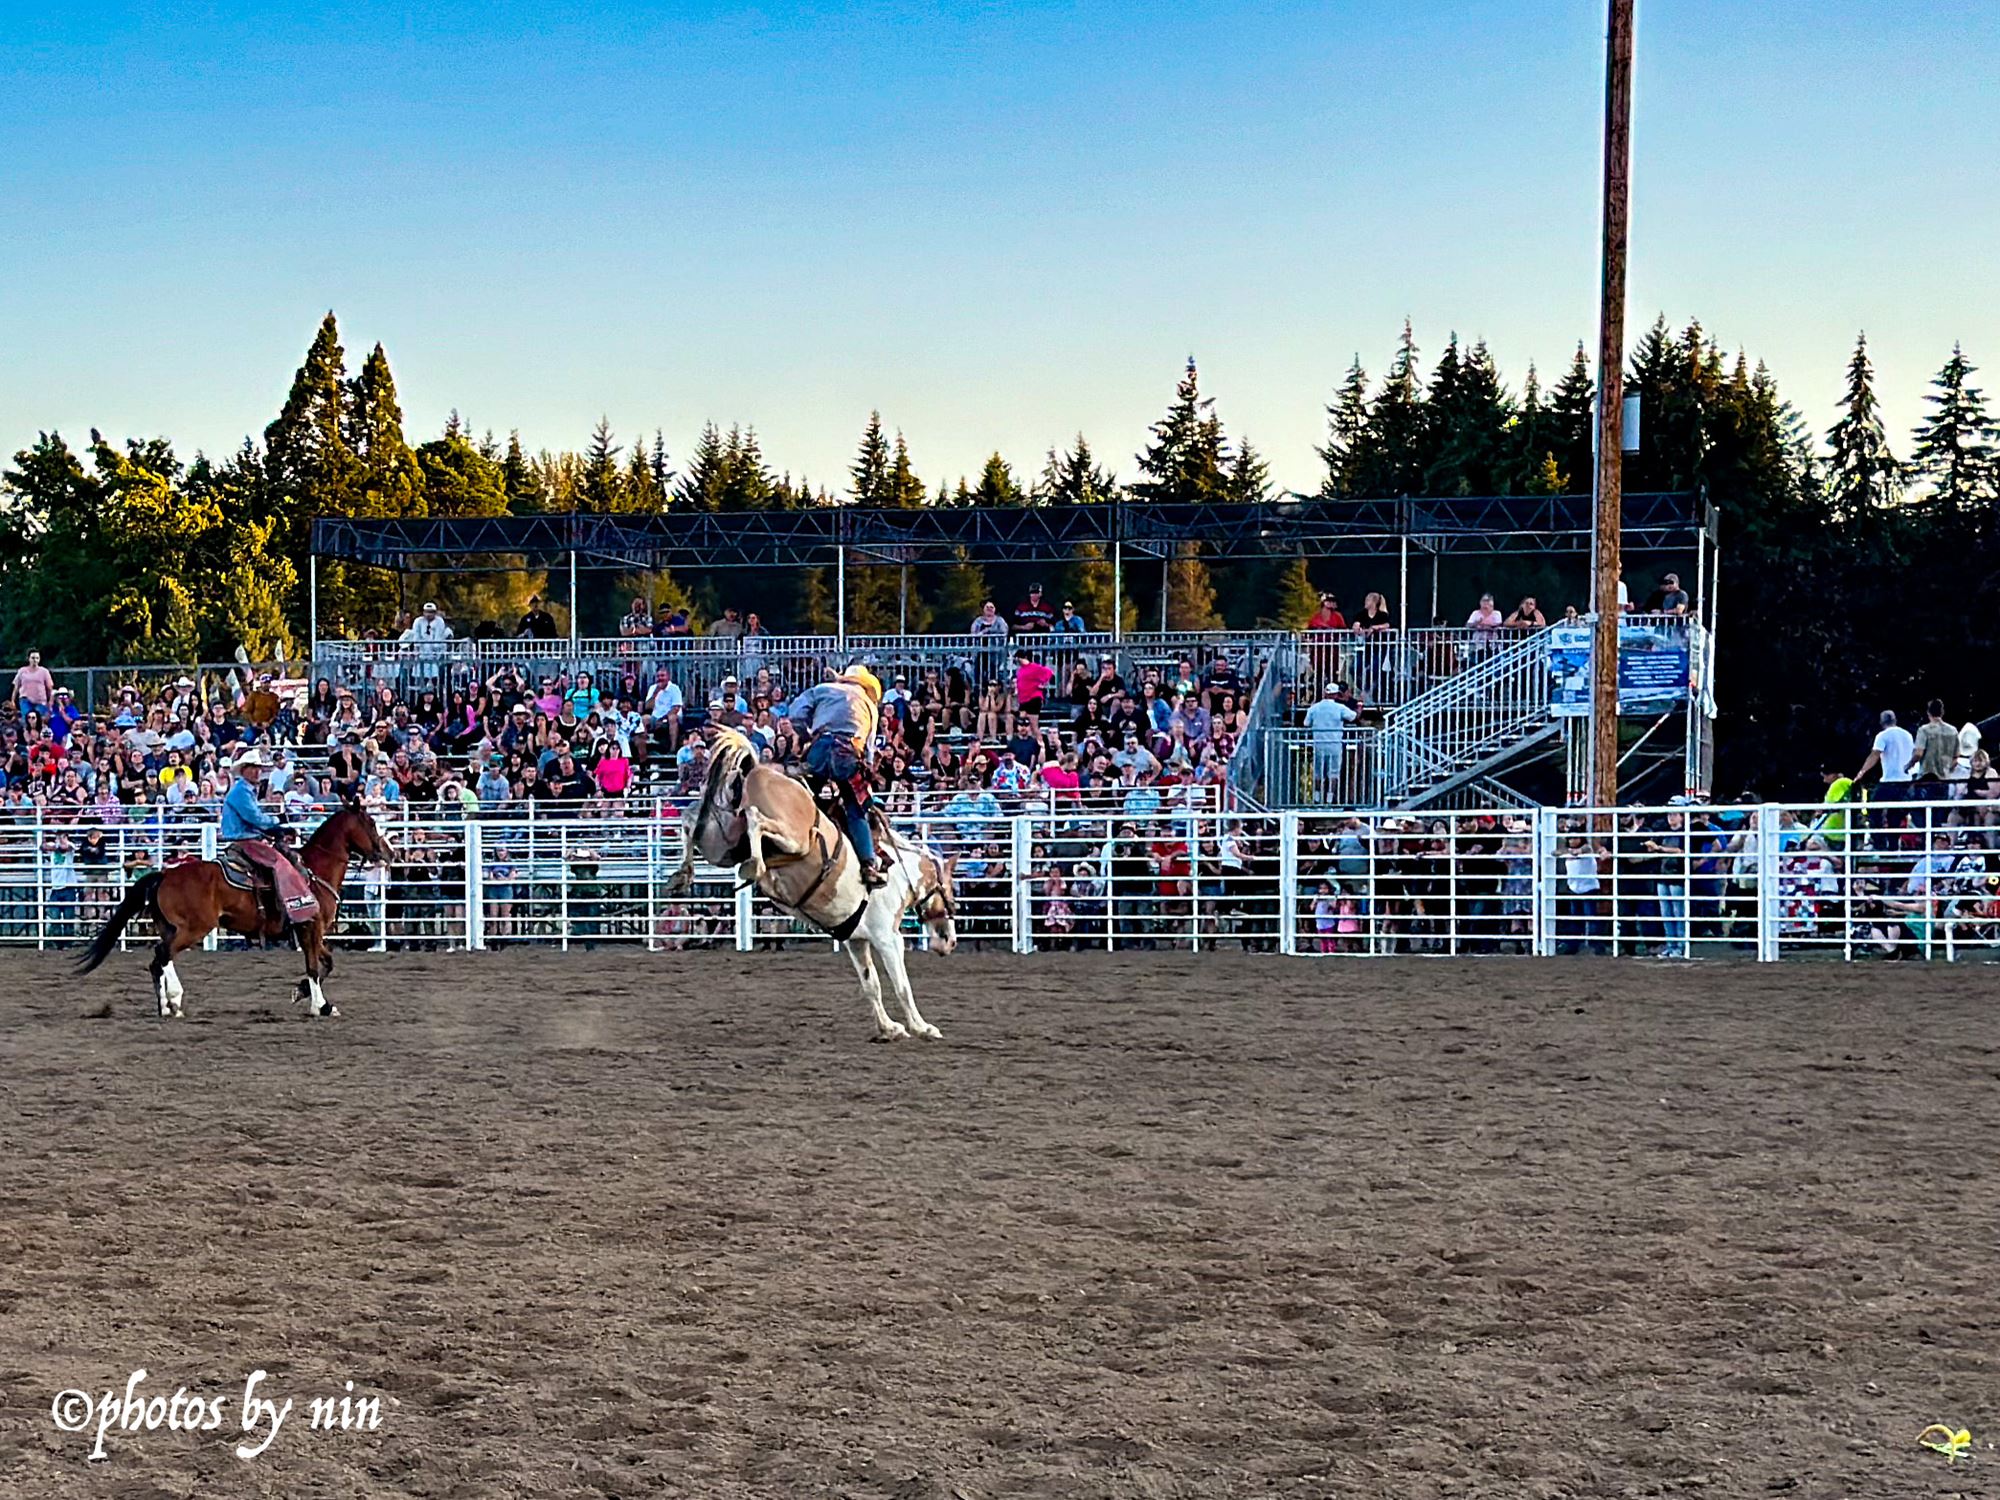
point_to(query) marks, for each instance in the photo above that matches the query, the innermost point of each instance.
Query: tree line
(1853, 579)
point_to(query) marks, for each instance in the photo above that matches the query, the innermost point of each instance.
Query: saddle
(256, 866)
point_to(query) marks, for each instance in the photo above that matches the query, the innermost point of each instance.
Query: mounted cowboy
(839, 719)
(287, 893)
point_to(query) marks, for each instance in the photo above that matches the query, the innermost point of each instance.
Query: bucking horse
(769, 828)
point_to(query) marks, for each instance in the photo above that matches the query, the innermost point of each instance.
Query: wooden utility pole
(1609, 489)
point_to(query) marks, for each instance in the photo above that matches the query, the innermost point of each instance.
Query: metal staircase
(1456, 733)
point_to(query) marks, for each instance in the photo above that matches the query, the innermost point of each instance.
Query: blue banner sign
(1652, 668)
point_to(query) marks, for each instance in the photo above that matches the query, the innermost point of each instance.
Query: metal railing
(1766, 882)
(1451, 729)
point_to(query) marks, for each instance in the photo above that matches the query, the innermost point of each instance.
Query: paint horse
(771, 829)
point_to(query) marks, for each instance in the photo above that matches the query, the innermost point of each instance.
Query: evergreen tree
(1346, 434)
(960, 592)
(603, 487)
(1547, 480)
(1087, 583)
(459, 480)
(905, 491)
(702, 486)
(1953, 451)
(1184, 464)
(1390, 457)
(310, 460)
(1074, 478)
(640, 495)
(391, 485)
(747, 482)
(526, 492)
(254, 597)
(663, 476)
(870, 472)
(1529, 454)
(997, 486)
(1190, 594)
(1249, 477)
(1294, 599)
(1863, 474)
(1572, 417)
(1469, 428)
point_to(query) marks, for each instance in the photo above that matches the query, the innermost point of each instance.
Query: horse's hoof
(930, 1033)
(895, 1033)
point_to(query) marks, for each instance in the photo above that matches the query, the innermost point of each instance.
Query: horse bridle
(939, 891)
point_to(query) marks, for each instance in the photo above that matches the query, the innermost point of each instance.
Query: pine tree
(1249, 477)
(1190, 594)
(1468, 426)
(459, 480)
(1863, 474)
(870, 471)
(663, 476)
(1390, 458)
(526, 493)
(996, 485)
(309, 459)
(702, 486)
(603, 490)
(641, 496)
(255, 593)
(905, 491)
(1953, 451)
(1073, 478)
(1184, 465)
(391, 485)
(747, 482)
(1087, 584)
(960, 592)
(1546, 480)
(1528, 440)
(1294, 600)
(1346, 432)
(1572, 416)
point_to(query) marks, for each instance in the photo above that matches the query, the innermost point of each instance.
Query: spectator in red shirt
(1328, 615)
(1032, 616)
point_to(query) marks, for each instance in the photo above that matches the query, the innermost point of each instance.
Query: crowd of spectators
(584, 742)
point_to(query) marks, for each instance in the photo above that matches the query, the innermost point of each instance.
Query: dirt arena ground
(629, 1225)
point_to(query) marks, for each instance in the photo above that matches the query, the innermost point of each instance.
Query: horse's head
(935, 901)
(365, 841)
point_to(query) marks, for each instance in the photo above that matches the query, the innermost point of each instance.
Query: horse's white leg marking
(317, 1003)
(160, 1002)
(859, 950)
(899, 980)
(754, 830)
(171, 991)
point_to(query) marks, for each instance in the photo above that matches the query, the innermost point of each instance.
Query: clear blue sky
(998, 223)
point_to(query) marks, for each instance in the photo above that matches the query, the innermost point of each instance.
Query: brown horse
(189, 900)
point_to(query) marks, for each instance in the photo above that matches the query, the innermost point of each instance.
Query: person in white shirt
(664, 704)
(1894, 749)
(429, 632)
(1328, 720)
(1968, 747)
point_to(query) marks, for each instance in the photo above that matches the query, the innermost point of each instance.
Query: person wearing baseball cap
(1032, 616)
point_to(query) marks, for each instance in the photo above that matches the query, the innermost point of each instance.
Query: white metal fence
(1770, 882)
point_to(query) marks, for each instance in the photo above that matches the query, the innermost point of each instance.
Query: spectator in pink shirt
(1031, 682)
(33, 686)
(1487, 618)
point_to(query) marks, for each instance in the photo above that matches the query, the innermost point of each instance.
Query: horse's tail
(140, 896)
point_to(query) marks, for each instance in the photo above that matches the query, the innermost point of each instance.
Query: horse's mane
(732, 743)
(332, 831)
